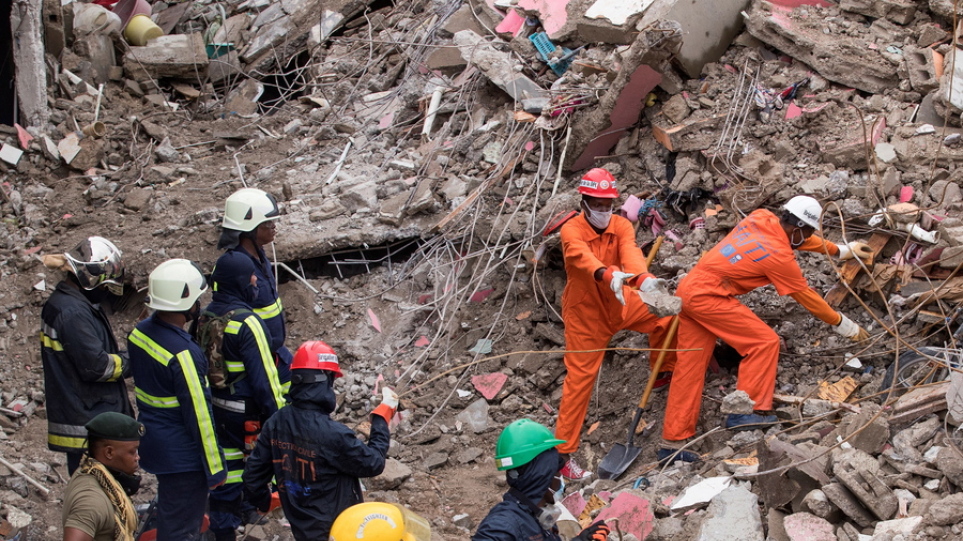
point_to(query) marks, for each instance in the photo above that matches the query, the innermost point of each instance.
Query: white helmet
(248, 208)
(97, 261)
(806, 208)
(175, 285)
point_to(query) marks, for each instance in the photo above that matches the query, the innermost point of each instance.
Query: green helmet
(521, 442)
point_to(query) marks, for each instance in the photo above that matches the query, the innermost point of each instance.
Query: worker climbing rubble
(174, 400)
(97, 504)
(758, 252)
(244, 381)
(602, 260)
(250, 224)
(315, 460)
(83, 368)
(526, 452)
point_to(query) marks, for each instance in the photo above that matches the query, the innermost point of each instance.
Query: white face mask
(599, 219)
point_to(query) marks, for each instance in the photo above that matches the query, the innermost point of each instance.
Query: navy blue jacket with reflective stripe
(174, 400)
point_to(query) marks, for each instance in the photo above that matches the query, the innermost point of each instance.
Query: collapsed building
(423, 154)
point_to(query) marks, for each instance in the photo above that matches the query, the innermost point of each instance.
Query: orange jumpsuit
(754, 254)
(593, 315)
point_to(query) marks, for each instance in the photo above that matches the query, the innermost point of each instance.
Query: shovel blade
(618, 460)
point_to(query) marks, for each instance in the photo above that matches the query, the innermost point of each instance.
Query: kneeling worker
(97, 504)
(526, 453)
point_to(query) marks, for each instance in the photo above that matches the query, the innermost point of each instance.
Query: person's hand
(596, 532)
(653, 285)
(855, 249)
(850, 329)
(389, 403)
(615, 278)
(389, 398)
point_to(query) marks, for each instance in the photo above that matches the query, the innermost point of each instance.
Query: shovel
(622, 456)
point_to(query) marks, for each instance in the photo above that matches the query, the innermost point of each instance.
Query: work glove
(389, 404)
(654, 285)
(851, 330)
(616, 280)
(596, 532)
(856, 249)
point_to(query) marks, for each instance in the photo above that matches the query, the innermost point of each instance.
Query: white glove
(856, 249)
(654, 285)
(618, 280)
(389, 398)
(849, 329)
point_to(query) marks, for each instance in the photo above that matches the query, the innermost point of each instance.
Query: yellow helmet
(376, 521)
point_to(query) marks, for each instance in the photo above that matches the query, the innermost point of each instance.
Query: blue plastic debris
(546, 49)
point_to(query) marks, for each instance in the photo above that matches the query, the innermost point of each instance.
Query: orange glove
(596, 532)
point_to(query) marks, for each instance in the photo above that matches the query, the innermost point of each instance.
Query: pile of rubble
(421, 153)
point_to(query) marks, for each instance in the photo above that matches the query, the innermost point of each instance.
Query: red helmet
(598, 183)
(316, 355)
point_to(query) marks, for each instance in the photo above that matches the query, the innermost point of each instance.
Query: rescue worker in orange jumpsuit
(601, 259)
(758, 252)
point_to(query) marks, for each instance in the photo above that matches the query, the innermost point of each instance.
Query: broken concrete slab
(733, 514)
(848, 504)
(701, 493)
(497, 66)
(178, 56)
(695, 133)
(708, 32)
(848, 60)
(634, 514)
(806, 527)
(898, 11)
(596, 130)
(870, 489)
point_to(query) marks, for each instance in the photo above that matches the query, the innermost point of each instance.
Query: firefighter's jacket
(174, 400)
(82, 366)
(316, 461)
(246, 346)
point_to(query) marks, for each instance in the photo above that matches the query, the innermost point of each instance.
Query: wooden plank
(852, 268)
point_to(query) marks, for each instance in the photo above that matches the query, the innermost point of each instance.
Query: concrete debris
(733, 514)
(423, 157)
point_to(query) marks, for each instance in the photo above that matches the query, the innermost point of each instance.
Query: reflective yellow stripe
(48, 342)
(156, 401)
(233, 454)
(118, 366)
(205, 426)
(150, 347)
(271, 310)
(267, 359)
(232, 327)
(66, 441)
(233, 476)
(234, 366)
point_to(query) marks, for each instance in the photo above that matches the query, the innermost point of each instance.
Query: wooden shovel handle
(667, 343)
(653, 250)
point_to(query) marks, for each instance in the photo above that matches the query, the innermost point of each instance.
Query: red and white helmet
(316, 355)
(598, 183)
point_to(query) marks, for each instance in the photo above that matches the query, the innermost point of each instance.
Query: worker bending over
(247, 391)
(315, 460)
(170, 378)
(758, 252)
(526, 453)
(601, 259)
